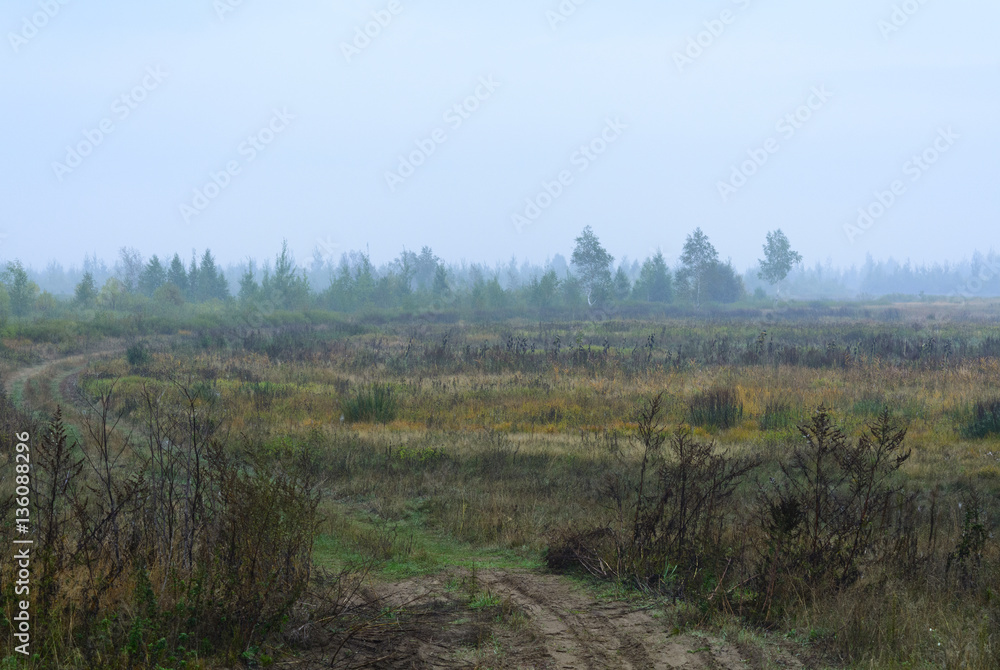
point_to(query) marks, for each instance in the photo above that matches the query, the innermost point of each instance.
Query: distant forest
(350, 282)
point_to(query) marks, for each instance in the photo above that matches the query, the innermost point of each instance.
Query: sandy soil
(557, 625)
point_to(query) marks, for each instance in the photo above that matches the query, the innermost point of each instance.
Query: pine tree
(622, 285)
(287, 287)
(86, 290)
(20, 288)
(193, 281)
(654, 283)
(176, 274)
(212, 284)
(153, 276)
(249, 290)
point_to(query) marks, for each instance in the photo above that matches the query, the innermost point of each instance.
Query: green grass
(405, 548)
(375, 403)
(869, 405)
(983, 420)
(778, 415)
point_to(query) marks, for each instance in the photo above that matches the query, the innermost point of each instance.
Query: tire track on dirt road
(580, 632)
(75, 364)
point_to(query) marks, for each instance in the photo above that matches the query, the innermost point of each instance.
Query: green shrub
(375, 403)
(138, 355)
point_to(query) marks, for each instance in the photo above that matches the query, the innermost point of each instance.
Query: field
(802, 487)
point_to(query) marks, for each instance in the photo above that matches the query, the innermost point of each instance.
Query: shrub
(374, 403)
(720, 407)
(204, 546)
(836, 510)
(670, 519)
(138, 355)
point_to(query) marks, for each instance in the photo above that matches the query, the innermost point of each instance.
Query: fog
(487, 131)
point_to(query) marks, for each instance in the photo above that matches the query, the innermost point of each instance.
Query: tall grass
(373, 403)
(983, 420)
(777, 415)
(719, 407)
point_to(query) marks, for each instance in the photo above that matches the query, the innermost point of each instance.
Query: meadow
(813, 482)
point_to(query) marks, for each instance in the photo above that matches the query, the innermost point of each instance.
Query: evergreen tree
(86, 291)
(285, 286)
(153, 276)
(543, 291)
(249, 290)
(176, 274)
(20, 288)
(340, 294)
(212, 284)
(193, 282)
(572, 292)
(723, 284)
(622, 285)
(654, 284)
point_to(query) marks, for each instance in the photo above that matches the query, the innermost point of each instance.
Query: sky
(491, 130)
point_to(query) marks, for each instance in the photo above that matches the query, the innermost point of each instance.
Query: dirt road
(69, 365)
(578, 632)
(541, 622)
(21, 376)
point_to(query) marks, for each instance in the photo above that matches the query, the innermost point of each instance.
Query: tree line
(411, 281)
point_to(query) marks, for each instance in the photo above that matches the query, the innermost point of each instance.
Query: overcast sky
(233, 124)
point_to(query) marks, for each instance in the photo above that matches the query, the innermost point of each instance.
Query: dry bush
(189, 546)
(670, 520)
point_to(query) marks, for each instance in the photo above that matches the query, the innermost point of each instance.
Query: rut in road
(578, 632)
